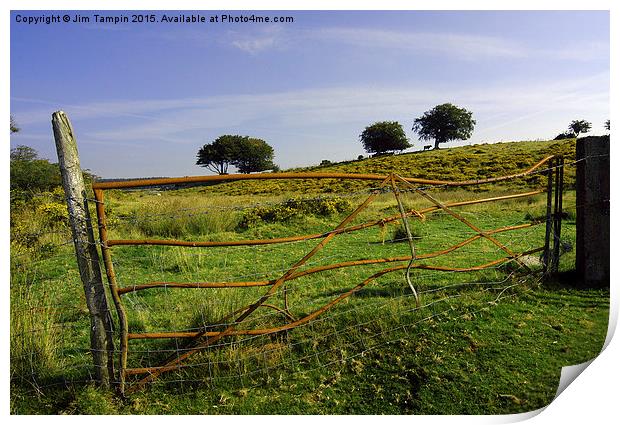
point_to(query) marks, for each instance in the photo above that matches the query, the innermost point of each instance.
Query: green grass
(484, 342)
(503, 358)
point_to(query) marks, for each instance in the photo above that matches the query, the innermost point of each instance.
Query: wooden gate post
(101, 329)
(547, 251)
(593, 241)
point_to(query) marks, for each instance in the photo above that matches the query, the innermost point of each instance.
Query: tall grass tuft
(180, 217)
(34, 338)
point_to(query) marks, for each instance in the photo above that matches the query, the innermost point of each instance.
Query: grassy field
(485, 341)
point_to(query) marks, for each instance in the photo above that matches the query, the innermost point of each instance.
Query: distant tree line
(29, 173)
(32, 174)
(442, 124)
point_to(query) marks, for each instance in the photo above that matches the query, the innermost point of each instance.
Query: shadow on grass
(569, 280)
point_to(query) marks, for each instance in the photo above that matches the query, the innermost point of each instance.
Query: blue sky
(143, 98)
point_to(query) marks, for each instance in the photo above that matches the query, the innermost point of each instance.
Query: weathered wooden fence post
(547, 251)
(101, 336)
(593, 242)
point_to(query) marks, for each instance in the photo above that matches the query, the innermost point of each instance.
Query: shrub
(294, 207)
(565, 135)
(400, 233)
(22, 235)
(54, 213)
(175, 217)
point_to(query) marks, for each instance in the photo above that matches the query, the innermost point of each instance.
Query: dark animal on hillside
(427, 147)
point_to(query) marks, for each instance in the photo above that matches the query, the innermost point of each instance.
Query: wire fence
(409, 257)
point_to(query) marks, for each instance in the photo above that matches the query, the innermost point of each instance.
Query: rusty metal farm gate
(133, 377)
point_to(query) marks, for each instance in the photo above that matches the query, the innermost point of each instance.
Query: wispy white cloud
(585, 51)
(255, 45)
(460, 46)
(455, 45)
(94, 110)
(253, 42)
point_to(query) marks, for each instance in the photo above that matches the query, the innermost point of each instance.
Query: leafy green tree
(23, 153)
(247, 154)
(579, 126)
(384, 136)
(254, 155)
(14, 127)
(444, 123)
(219, 155)
(29, 173)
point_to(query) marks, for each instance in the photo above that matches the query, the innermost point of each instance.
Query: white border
(592, 397)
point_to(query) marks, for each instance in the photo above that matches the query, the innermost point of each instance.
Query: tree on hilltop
(579, 126)
(444, 123)
(254, 155)
(247, 154)
(384, 136)
(218, 155)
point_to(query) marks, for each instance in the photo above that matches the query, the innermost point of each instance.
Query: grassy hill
(459, 163)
